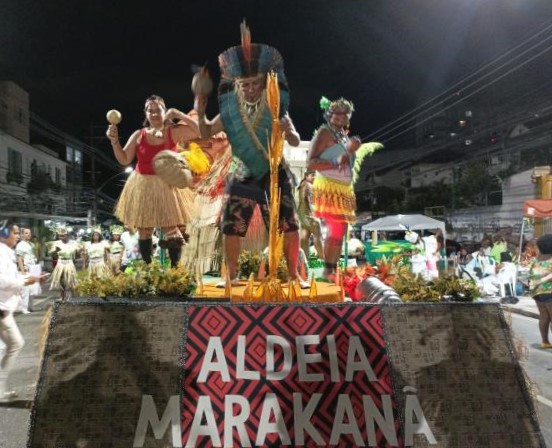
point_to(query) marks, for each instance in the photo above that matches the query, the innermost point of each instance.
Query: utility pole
(92, 139)
(453, 190)
(94, 192)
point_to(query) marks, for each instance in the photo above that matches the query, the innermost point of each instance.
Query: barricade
(135, 374)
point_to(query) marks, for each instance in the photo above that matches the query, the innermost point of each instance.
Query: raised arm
(125, 155)
(206, 128)
(180, 130)
(291, 134)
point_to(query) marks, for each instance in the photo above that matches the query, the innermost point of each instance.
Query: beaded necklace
(156, 132)
(338, 135)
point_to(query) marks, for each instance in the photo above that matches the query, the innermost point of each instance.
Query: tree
(474, 184)
(434, 195)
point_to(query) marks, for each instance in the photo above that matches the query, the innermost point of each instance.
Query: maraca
(114, 116)
(202, 84)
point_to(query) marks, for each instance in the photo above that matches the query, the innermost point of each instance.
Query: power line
(378, 134)
(46, 129)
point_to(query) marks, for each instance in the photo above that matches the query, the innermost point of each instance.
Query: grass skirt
(147, 201)
(64, 275)
(333, 200)
(98, 269)
(203, 251)
(114, 263)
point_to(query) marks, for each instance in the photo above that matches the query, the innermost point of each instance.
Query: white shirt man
(25, 252)
(12, 284)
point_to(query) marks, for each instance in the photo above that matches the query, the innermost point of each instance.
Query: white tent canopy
(399, 222)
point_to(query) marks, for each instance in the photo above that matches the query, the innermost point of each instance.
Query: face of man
(252, 88)
(26, 235)
(13, 238)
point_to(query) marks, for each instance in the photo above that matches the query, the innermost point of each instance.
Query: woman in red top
(146, 201)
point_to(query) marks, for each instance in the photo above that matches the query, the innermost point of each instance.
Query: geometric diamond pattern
(256, 322)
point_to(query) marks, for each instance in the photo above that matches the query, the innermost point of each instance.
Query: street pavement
(14, 415)
(525, 306)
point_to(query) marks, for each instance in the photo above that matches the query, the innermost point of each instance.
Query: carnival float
(263, 277)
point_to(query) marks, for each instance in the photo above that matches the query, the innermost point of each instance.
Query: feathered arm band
(364, 150)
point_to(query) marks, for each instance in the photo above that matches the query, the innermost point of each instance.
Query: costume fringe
(212, 185)
(64, 275)
(333, 199)
(203, 251)
(99, 269)
(114, 263)
(197, 160)
(147, 201)
(365, 150)
(256, 238)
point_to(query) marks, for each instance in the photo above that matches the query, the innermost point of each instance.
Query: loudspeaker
(4, 229)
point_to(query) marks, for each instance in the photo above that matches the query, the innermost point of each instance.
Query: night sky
(78, 59)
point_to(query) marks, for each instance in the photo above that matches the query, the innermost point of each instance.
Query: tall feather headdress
(246, 42)
(248, 59)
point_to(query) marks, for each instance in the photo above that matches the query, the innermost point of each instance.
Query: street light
(127, 171)
(94, 217)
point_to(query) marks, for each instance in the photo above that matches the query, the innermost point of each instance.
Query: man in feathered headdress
(247, 121)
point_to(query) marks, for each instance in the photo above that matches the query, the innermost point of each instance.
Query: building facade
(36, 183)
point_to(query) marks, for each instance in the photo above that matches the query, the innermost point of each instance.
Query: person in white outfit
(12, 284)
(432, 255)
(506, 272)
(27, 264)
(418, 259)
(129, 239)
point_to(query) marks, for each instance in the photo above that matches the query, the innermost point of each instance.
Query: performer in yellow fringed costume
(332, 155)
(147, 201)
(202, 253)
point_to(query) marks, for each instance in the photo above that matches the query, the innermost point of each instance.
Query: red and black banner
(135, 374)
